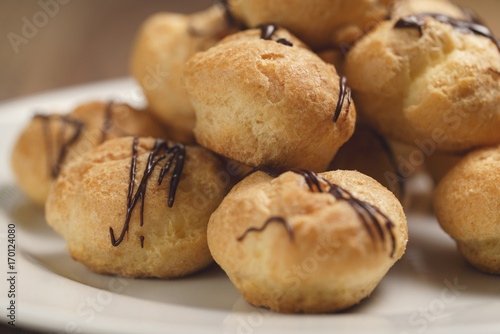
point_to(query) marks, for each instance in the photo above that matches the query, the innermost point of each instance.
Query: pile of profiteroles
(239, 156)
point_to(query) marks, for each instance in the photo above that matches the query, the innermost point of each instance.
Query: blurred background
(81, 41)
(75, 41)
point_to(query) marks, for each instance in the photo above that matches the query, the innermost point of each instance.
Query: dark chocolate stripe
(108, 121)
(412, 22)
(392, 160)
(160, 152)
(268, 31)
(343, 91)
(284, 41)
(230, 18)
(494, 71)
(417, 22)
(311, 179)
(368, 214)
(55, 161)
(366, 210)
(280, 220)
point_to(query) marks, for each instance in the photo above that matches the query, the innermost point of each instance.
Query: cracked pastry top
(262, 97)
(138, 207)
(429, 77)
(306, 242)
(319, 23)
(50, 141)
(163, 45)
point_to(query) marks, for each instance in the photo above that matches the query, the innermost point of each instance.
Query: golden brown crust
(90, 197)
(441, 86)
(319, 23)
(466, 205)
(264, 103)
(163, 45)
(30, 159)
(330, 264)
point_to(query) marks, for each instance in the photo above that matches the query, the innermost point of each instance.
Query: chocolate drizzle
(280, 220)
(368, 214)
(343, 91)
(161, 151)
(413, 22)
(108, 124)
(494, 71)
(231, 20)
(392, 160)
(268, 31)
(463, 26)
(471, 15)
(311, 179)
(376, 223)
(108, 121)
(142, 241)
(56, 160)
(284, 41)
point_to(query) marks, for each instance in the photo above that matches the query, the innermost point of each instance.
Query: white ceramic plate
(431, 290)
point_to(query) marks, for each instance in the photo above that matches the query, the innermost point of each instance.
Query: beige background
(90, 40)
(87, 40)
